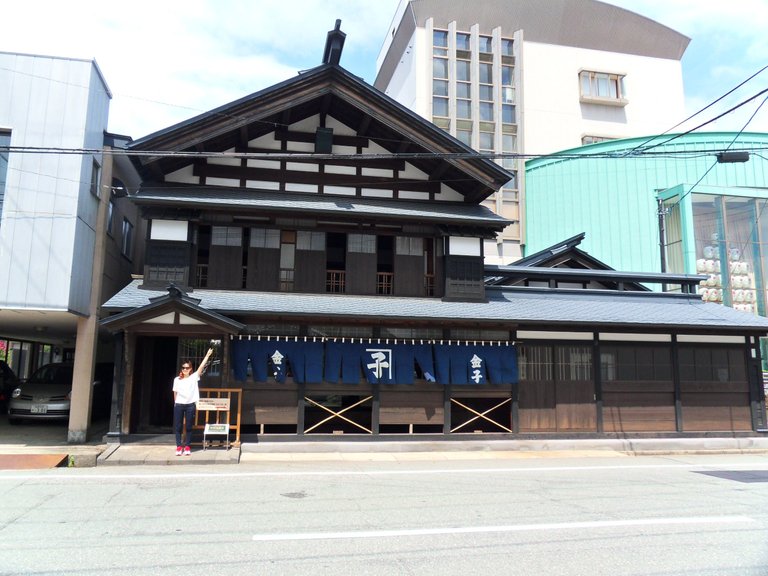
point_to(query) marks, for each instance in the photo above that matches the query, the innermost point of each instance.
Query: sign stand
(218, 428)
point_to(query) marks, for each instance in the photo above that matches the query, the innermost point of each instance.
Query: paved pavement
(45, 445)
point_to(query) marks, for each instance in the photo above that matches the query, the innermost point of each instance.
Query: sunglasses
(186, 367)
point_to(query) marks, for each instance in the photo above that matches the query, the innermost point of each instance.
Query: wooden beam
(338, 139)
(365, 124)
(269, 174)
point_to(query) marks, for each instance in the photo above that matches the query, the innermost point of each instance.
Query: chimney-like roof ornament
(334, 44)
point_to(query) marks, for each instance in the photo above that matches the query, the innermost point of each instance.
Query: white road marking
(70, 474)
(513, 528)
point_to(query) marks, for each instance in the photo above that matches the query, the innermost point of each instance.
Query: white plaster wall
(408, 77)
(556, 120)
(46, 227)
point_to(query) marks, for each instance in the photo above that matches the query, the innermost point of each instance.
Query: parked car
(8, 382)
(46, 395)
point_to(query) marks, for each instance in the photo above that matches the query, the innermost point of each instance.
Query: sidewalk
(45, 446)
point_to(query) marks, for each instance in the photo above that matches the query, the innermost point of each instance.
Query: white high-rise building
(532, 77)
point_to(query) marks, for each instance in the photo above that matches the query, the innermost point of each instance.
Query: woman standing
(185, 396)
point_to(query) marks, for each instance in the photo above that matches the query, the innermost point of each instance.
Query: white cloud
(728, 45)
(166, 61)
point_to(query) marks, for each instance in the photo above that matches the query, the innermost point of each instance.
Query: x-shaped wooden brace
(481, 414)
(338, 414)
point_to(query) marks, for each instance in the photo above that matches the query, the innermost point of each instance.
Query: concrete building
(522, 78)
(66, 241)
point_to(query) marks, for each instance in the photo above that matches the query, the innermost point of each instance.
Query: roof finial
(334, 44)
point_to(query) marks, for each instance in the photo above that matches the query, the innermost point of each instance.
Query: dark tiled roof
(527, 307)
(320, 204)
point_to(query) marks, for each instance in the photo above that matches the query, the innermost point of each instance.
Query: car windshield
(53, 374)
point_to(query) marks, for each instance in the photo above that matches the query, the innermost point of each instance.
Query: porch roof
(520, 306)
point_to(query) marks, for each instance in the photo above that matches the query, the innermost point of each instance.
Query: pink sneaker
(187, 451)
(178, 450)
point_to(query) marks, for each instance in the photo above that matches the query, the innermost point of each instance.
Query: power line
(731, 91)
(308, 156)
(644, 150)
(726, 150)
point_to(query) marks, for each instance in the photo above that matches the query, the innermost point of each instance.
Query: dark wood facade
(320, 211)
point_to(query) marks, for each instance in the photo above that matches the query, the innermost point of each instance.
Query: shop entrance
(557, 389)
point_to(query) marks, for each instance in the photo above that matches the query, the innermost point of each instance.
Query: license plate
(39, 409)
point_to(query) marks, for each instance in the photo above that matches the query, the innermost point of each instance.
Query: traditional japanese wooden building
(329, 242)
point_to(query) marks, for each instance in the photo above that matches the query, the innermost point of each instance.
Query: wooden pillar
(129, 358)
(755, 383)
(300, 409)
(118, 384)
(376, 404)
(597, 375)
(676, 383)
(447, 409)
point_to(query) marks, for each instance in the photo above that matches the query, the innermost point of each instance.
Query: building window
(361, 243)
(110, 215)
(594, 139)
(602, 86)
(440, 38)
(507, 85)
(287, 259)
(486, 92)
(506, 47)
(265, 238)
(440, 97)
(440, 68)
(440, 74)
(465, 136)
(226, 236)
(462, 41)
(486, 142)
(508, 115)
(508, 146)
(314, 241)
(486, 45)
(127, 239)
(95, 178)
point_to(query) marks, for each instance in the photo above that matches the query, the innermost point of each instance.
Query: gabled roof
(326, 89)
(175, 308)
(570, 264)
(565, 253)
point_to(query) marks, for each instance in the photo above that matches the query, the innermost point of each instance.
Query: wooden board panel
(715, 399)
(576, 409)
(638, 386)
(638, 399)
(263, 269)
(576, 417)
(225, 268)
(639, 419)
(536, 395)
(411, 415)
(276, 415)
(537, 420)
(716, 418)
(411, 406)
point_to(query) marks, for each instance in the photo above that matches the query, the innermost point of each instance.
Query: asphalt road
(683, 515)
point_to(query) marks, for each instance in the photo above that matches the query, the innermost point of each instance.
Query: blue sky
(166, 61)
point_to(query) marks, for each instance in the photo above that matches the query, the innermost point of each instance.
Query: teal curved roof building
(664, 203)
